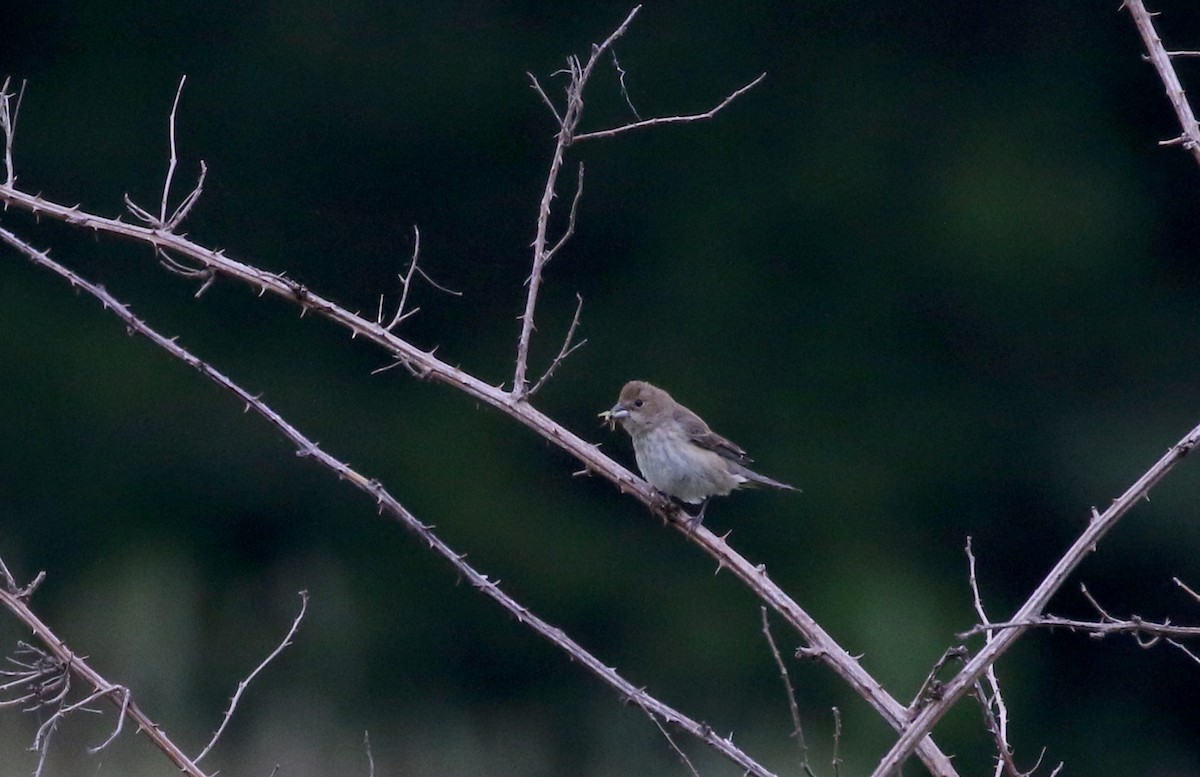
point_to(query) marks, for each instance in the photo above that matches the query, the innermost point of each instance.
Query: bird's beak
(616, 412)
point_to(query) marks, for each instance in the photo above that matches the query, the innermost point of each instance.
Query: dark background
(935, 270)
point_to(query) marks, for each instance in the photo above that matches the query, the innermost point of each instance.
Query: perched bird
(676, 451)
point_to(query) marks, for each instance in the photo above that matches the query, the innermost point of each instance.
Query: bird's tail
(763, 480)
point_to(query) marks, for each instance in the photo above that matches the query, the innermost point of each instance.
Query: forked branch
(1026, 616)
(568, 118)
(655, 709)
(64, 660)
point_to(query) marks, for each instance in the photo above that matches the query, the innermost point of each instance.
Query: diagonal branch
(1026, 616)
(237, 696)
(1143, 20)
(427, 366)
(566, 350)
(17, 605)
(790, 692)
(305, 447)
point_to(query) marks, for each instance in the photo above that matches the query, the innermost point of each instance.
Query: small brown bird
(676, 451)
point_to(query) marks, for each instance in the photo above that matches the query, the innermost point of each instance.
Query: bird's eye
(639, 402)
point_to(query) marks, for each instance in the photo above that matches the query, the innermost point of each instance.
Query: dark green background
(935, 270)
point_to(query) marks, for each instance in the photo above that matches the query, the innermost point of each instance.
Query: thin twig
(570, 230)
(836, 760)
(406, 281)
(9, 110)
(793, 708)
(997, 722)
(237, 696)
(162, 221)
(166, 192)
(1135, 626)
(624, 89)
(370, 758)
(678, 750)
(566, 350)
(711, 112)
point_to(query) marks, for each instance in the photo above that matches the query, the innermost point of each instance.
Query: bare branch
(406, 283)
(793, 708)
(162, 221)
(624, 89)
(406, 286)
(166, 193)
(568, 120)
(370, 758)
(997, 719)
(387, 503)
(427, 366)
(65, 658)
(837, 742)
(608, 133)
(570, 230)
(566, 350)
(1190, 592)
(678, 751)
(537, 87)
(1143, 20)
(233, 702)
(9, 110)
(1025, 617)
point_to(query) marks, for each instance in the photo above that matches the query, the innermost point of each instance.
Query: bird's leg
(698, 518)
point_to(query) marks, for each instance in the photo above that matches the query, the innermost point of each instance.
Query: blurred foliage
(935, 270)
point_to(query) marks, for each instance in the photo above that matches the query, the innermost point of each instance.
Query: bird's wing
(699, 433)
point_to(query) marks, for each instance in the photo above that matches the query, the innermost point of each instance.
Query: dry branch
(1025, 617)
(14, 599)
(655, 709)
(424, 364)
(1161, 59)
(212, 263)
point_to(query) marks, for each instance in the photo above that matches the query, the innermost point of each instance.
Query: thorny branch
(567, 119)
(62, 659)
(1086, 543)
(1146, 633)
(424, 364)
(656, 710)
(1161, 59)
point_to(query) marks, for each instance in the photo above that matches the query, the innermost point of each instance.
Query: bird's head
(640, 407)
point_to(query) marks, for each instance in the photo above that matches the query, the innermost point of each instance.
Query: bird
(677, 452)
